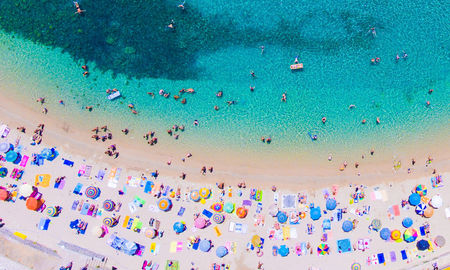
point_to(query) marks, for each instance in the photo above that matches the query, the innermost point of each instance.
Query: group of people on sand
(204, 170)
(345, 164)
(150, 138)
(37, 136)
(107, 135)
(112, 151)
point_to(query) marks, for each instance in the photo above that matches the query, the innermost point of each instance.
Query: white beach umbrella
(436, 201)
(26, 190)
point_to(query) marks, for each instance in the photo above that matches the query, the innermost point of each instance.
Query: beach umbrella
(11, 156)
(4, 147)
(4, 194)
(256, 241)
(3, 172)
(33, 204)
(218, 207)
(414, 199)
(218, 218)
(385, 233)
(273, 210)
(436, 201)
(282, 217)
(315, 213)
(376, 224)
(97, 231)
(195, 196)
(179, 227)
(204, 193)
(51, 211)
(420, 208)
(109, 205)
(410, 235)
(25, 190)
(200, 223)
(221, 251)
(423, 245)
(407, 222)
(428, 212)
(228, 207)
(344, 245)
(331, 204)
(439, 241)
(395, 235)
(356, 266)
(150, 233)
(421, 190)
(204, 245)
(241, 212)
(110, 222)
(283, 251)
(164, 204)
(323, 249)
(347, 226)
(92, 192)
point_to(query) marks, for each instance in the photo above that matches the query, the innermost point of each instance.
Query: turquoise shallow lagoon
(216, 44)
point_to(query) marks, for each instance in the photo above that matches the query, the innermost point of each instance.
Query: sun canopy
(331, 204)
(347, 226)
(385, 233)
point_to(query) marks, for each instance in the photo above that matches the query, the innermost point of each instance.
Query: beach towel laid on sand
(100, 175)
(77, 189)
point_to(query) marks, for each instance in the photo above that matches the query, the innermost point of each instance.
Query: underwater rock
(110, 40)
(129, 50)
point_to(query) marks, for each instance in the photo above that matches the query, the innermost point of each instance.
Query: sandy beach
(74, 144)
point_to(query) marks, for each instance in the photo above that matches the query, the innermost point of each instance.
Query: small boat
(298, 66)
(114, 95)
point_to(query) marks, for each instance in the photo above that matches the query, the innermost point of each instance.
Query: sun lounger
(85, 209)
(393, 256)
(67, 162)
(381, 258)
(404, 256)
(75, 204)
(77, 189)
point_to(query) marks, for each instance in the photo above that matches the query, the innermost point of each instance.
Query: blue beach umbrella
(221, 251)
(4, 147)
(315, 213)
(331, 204)
(414, 199)
(179, 227)
(407, 222)
(423, 245)
(282, 217)
(204, 245)
(385, 233)
(283, 251)
(3, 172)
(11, 156)
(347, 226)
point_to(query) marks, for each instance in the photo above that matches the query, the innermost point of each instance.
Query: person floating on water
(252, 88)
(253, 74)
(351, 106)
(430, 91)
(79, 10)
(373, 31)
(61, 102)
(404, 55)
(171, 25)
(231, 102)
(378, 120)
(375, 60)
(219, 94)
(296, 60)
(324, 119)
(428, 103)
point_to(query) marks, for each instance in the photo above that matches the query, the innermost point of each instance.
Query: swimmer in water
(219, 94)
(131, 106)
(405, 55)
(430, 91)
(330, 157)
(182, 5)
(232, 102)
(283, 97)
(324, 119)
(262, 49)
(428, 103)
(252, 88)
(216, 108)
(351, 106)
(296, 60)
(253, 74)
(397, 58)
(373, 31)
(195, 122)
(364, 121)
(378, 120)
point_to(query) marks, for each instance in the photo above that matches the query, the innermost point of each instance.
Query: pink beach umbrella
(200, 223)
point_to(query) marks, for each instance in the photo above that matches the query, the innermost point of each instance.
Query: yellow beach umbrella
(204, 193)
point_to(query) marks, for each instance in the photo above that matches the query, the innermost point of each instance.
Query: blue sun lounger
(207, 213)
(67, 162)
(404, 256)
(85, 209)
(381, 259)
(43, 224)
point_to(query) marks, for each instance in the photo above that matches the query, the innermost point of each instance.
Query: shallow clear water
(215, 46)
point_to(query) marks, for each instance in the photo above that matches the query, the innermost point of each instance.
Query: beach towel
(148, 187)
(381, 258)
(181, 211)
(43, 224)
(231, 226)
(62, 183)
(85, 209)
(247, 203)
(393, 256)
(125, 221)
(286, 233)
(87, 172)
(91, 210)
(100, 175)
(67, 162)
(20, 235)
(218, 232)
(207, 213)
(259, 208)
(23, 162)
(404, 256)
(166, 190)
(179, 246)
(82, 170)
(75, 204)
(77, 189)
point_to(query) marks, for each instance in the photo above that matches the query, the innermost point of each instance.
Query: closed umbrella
(385, 233)
(439, 241)
(423, 245)
(25, 190)
(331, 204)
(414, 199)
(283, 251)
(200, 223)
(228, 207)
(420, 208)
(282, 217)
(436, 201)
(407, 222)
(204, 245)
(376, 224)
(221, 251)
(347, 226)
(315, 213)
(179, 227)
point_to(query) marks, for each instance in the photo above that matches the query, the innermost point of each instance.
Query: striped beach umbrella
(420, 208)
(395, 235)
(376, 224)
(410, 235)
(421, 190)
(51, 211)
(195, 196)
(110, 222)
(205, 193)
(109, 205)
(218, 218)
(92, 192)
(323, 249)
(164, 204)
(356, 266)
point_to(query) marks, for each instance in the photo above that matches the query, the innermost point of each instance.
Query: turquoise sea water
(215, 46)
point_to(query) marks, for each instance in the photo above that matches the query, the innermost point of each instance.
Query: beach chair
(68, 162)
(181, 211)
(77, 189)
(195, 245)
(404, 256)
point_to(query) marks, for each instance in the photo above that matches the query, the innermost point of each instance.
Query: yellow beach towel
(20, 235)
(173, 247)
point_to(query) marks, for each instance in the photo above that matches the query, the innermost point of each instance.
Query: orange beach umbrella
(33, 204)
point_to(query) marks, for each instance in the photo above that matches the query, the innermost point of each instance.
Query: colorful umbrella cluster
(92, 192)
(164, 204)
(323, 249)
(218, 218)
(109, 205)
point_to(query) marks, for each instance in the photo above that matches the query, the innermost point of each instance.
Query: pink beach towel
(24, 161)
